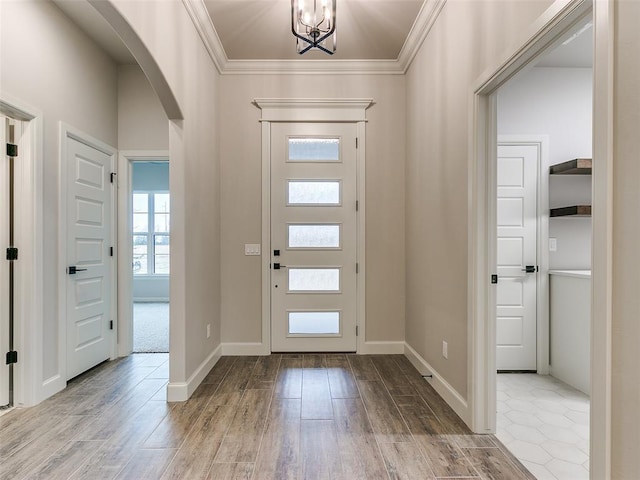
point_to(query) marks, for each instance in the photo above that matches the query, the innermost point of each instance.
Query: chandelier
(313, 22)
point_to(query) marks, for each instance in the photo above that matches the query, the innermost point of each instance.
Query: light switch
(252, 249)
(553, 245)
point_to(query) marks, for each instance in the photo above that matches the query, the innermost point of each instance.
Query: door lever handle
(278, 266)
(72, 270)
(530, 269)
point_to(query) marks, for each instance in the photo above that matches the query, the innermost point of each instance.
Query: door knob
(72, 270)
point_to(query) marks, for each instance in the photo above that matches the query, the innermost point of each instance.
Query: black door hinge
(357, 330)
(113, 176)
(12, 150)
(12, 357)
(111, 251)
(12, 253)
(494, 279)
(110, 324)
(356, 142)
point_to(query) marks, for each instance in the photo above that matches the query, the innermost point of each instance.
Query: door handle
(530, 269)
(277, 266)
(72, 270)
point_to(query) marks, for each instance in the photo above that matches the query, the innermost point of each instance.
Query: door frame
(126, 158)
(67, 131)
(542, 237)
(29, 385)
(327, 110)
(557, 20)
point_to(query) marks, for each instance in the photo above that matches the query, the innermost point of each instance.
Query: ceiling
(261, 29)
(255, 35)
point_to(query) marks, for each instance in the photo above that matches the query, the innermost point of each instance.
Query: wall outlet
(445, 349)
(208, 330)
(553, 244)
(252, 249)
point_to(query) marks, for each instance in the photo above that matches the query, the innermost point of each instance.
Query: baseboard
(49, 388)
(151, 300)
(444, 389)
(248, 348)
(181, 391)
(381, 348)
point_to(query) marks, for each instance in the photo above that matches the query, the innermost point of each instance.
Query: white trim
(313, 109)
(541, 142)
(380, 348)
(329, 110)
(67, 131)
(182, 391)
(602, 242)
(29, 388)
(247, 348)
(421, 27)
(440, 385)
(124, 246)
(425, 19)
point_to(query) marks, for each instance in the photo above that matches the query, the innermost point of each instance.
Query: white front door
(516, 322)
(313, 237)
(89, 194)
(4, 265)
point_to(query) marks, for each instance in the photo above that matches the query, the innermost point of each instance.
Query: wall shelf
(577, 166)
(572, 211)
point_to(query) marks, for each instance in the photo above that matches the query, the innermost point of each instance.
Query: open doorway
(544, 237)
(151, 218)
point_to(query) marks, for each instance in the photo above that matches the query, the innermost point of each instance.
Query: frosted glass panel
(314, 149)
(314, 323)
(314, 236)
(313, 193)
(314, 279)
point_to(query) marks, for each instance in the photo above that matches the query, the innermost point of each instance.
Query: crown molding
(427, 16)
(199, 14)
(419, 31)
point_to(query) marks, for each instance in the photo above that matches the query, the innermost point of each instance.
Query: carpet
(150, 327)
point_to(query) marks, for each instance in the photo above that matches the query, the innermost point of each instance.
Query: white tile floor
(545, 424)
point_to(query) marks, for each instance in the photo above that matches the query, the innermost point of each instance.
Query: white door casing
(4, 266)
(89, 292)
(516, 309)
(314, 228)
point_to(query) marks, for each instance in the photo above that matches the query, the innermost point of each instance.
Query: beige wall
(49, 64)
(240, 147)
(467, 37)
(169, 34)
(142, 122)
(625, 389)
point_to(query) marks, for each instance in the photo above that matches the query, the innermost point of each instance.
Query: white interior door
(516, 322)
(313, 237)
(4, 265)
(89, 232)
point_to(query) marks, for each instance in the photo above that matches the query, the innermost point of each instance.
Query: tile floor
(545, 424)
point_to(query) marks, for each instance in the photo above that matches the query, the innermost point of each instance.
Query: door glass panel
(314, 236)
(314, 150)
(314, 279)
(314, 323)
(306, 192)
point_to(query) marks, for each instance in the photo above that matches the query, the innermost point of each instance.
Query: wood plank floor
(280, 417)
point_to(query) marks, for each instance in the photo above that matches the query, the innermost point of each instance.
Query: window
(151, 226)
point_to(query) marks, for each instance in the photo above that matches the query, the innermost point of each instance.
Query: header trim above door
(313, 109)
